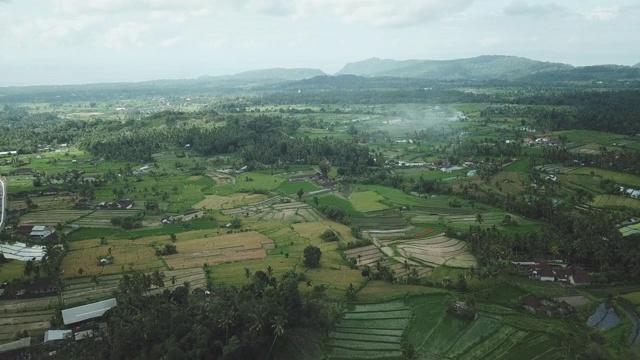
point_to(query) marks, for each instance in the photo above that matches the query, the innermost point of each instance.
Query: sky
(50, 42)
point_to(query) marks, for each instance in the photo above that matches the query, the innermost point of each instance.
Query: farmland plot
(366, 201)
(276, 208)
(219, 249)
(215, 202)
(136, 255)
(439, 250)
(102, 218)
(370, 331)
(52, 217)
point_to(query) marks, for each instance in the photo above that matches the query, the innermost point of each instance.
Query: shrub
(329, 235)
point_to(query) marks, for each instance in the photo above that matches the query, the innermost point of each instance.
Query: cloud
(214, 44)
(51, 32)
(379, 13)
(126, 34)
(602, 14)
(170, 42)
(112, 6)
(522, 8)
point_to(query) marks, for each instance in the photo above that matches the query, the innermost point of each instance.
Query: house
(125, 204)
(580, 277)
(539, 269)
(87, 312)
(42, 286)
(23, 171)
(8, 153)
(50, 191)
(41, 231)
(546, 306)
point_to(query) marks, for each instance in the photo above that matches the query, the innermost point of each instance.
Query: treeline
(220, 322)
(260, 140)
(609, 111)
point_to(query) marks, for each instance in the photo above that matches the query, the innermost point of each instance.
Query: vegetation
(244, 220)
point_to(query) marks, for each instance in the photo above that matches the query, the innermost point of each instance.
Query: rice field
(219, 249)
(618, 177)
(370, 331)
(436, 251)
(276, 208)
(102, 218)
(128, 255)
(52, 217)
(367, 201)
(216, 202)
(615, 201)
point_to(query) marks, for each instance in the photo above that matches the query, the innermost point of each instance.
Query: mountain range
(488, 67)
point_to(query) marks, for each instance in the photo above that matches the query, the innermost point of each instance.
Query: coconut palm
(278, 330)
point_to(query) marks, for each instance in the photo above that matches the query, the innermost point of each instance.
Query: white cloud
(523, 8)
(380, 13)
(126, 34)
(214, 44)
(169, 16)
(602, 14)
(50, 31)
(170, 42)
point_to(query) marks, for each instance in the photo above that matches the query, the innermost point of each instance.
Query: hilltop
(488, 67)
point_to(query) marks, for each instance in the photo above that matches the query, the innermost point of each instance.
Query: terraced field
(276, 208)
(102, 218)
(52, 217)
(438, 250)
(615, 201)
(219, 249)
(372, 331)
(438, 335)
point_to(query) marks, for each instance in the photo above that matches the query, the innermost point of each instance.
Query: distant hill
(587, 73)
(273, 74)
(637, 65)
(487, 67)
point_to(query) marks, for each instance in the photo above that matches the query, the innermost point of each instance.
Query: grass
(393, 196)
(291, 188)
(12, 269)
(520, 166)
(615, 201)
(341, 203)
(249, 181)
(445, 334)
(366, 201)
(618, 177)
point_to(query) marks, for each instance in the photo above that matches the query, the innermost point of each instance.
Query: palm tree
(226, 320)
(278, 330)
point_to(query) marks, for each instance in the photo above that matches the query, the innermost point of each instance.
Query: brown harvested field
(52, 217)
(313, 230)
(220, 249)
(439, 250)
(510, 182)
(367, 255)
(33, 315)
(136, 255)
(222, 178)
(276, 208)
(102, 218)
(215, 202)
(44, 203)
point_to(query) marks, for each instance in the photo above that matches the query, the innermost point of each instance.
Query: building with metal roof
(87, 312)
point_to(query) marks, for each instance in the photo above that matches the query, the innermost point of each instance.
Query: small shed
(55, 335)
